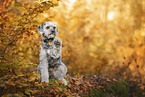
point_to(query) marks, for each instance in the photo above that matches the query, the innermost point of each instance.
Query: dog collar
(50, 43)
(46, 45)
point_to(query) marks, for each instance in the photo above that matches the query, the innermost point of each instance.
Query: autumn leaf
(18, 73)
(28, 91)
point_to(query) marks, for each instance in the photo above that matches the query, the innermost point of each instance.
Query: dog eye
(54, 27)
(47, 27)
(45, 40)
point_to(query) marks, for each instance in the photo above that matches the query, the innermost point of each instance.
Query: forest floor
(88, 86)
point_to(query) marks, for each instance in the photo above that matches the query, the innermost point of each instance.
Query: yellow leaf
(36, 35)
(26, 4)
(36, 4)
(36, 75)
(18, 5)
(139, 53)
(1, 19)
(35, 91)
(28, 91)
(55, 2)
(18, 73)
(59, 88)
(32, 78)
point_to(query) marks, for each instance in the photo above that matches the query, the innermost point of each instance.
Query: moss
(119, 89)
(96, 93)
(55, 80)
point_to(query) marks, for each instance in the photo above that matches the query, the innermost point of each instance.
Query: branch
(10, 41)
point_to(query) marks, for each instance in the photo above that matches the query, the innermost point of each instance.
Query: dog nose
(53, 31)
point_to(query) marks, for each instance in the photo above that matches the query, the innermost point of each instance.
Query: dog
(51, 65)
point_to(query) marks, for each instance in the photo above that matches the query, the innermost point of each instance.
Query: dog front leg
(43, 66)
(44, 71)
(44, 75)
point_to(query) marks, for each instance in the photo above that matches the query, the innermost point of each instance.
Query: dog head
(48, 30)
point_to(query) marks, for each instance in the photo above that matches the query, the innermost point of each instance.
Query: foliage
(17, 39)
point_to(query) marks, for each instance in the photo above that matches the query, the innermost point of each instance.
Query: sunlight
(72, 1)
(111, 15)
(45, 15)
(143, 33)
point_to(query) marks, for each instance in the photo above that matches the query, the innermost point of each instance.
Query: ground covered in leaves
(88, 86)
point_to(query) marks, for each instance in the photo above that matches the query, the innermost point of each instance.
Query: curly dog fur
(51, 65)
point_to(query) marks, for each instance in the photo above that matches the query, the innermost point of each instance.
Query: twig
(10, 41)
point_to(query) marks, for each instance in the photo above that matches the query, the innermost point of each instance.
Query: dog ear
(56, 30)
(40, 28)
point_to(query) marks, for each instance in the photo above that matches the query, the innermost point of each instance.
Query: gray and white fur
(51, 65)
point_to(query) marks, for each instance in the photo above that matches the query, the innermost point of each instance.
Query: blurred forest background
(104, 37)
